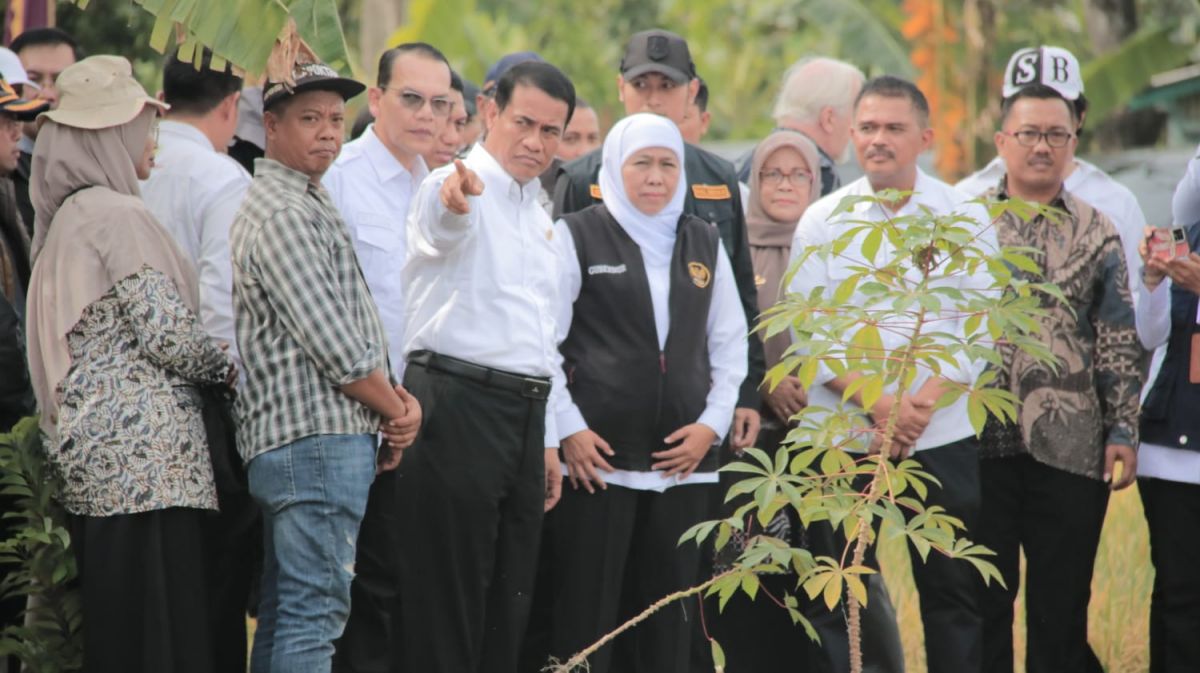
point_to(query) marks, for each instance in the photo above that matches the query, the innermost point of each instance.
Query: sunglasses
(413, 101)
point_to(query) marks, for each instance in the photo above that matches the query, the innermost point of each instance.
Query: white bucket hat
(99, 92)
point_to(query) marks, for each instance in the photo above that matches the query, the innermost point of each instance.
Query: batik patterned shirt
(1067, 416)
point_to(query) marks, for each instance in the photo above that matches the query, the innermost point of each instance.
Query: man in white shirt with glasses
(371, 183)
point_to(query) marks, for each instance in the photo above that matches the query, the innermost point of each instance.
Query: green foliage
(242, 32)
(40, 563)
(1115, 78)
(823, 472)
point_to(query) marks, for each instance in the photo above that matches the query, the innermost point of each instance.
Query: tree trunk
(377, 21)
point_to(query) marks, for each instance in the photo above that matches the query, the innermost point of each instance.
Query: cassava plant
(831, 469)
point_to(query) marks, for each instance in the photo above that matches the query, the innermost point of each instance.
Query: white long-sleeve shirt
(483, 286)
(1155, 460)
(373, 190)
(727, 344)
(195, 192)
(818, 226)
(1185, 204)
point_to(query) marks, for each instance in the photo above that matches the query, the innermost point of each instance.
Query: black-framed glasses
(1030, 138)
(413, 101)
(776, 177)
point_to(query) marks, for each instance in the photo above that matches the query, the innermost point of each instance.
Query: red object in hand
(1168, 244)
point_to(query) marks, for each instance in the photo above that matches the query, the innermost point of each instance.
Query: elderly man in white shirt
(372, 183)
(195, 191)
(890, 130)
(481, 341)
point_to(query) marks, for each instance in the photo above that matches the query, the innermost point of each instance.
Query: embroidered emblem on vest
(701, 276)
(594, 190)
(605, 268)
(711, 192)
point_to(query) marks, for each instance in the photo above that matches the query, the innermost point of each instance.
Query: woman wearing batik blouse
(116, 355)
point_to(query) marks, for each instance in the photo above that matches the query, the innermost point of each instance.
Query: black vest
(630, 392)
(1169, 416)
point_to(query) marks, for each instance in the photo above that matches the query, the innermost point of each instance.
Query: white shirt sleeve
(969, 369)
(431, 227)
(1185, 205)
(813, 273)
(568, 418)
(214, 264)
(727, 346)
(1153, 314)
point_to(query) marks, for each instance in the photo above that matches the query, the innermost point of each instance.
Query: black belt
(532, 387)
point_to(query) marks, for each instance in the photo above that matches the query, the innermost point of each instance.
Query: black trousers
(615, 552)
(371, 642)
(232, 540)
(142, 582)
(1173, 515)
(470, 501)
(1056, 517)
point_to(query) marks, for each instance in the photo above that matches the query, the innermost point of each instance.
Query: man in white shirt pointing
(481, 341)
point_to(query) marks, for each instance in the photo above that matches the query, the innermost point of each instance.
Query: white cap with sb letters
(1054, 67)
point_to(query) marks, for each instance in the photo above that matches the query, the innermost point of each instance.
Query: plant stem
(580, 658)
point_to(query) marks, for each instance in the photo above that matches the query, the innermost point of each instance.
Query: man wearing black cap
(657, 75)
(14, 238)
(317, 387)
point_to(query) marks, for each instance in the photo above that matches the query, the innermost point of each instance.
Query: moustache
(880, 152)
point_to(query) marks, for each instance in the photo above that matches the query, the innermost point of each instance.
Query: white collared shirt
(816, 228)
(195, 191)
(1093, 186)
(372, 190)
(483, 286)
(727, 346)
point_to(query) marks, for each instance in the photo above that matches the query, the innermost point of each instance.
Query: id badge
(1194, 364)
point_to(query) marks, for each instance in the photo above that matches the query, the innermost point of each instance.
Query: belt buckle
(534, 389)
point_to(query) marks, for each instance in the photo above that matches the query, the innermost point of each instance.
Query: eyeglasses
(776, 177)
(413, 101)
(1030, 138)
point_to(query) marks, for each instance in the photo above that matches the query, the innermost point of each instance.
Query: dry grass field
(1119, 616)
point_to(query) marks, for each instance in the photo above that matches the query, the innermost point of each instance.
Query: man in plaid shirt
(317, 388)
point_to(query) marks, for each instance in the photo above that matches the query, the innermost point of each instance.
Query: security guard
(657, 75)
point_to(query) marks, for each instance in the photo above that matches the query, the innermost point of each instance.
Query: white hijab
(654, 234)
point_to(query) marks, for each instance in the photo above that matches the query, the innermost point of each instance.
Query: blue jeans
(313, 493)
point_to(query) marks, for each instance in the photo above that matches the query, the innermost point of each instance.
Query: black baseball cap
(22, 109)
(658, 51)
(311, 77)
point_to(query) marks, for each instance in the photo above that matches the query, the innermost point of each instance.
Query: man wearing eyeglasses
(372, 183)
(1058, 69)
(1046, 478)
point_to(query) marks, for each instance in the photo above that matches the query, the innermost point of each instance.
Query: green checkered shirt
(306, 323)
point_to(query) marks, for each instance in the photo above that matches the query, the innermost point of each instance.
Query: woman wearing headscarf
(116, 356)
(654, 349)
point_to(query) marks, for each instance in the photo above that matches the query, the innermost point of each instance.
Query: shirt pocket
(379, 242)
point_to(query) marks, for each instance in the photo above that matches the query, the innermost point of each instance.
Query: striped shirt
(305, 320)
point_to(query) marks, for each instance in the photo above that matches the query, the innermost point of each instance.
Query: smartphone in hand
(1168, 244)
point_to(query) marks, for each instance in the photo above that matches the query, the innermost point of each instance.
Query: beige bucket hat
(99, 92)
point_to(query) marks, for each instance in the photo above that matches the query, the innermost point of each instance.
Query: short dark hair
(888, 86)
(702, 95)
(361, 122)
(543, 76)
(456, 82)
(196, 92)
(46, 36)
(1039, 92)
(388, 59)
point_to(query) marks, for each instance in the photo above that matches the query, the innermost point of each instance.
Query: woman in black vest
(1169, 457)
(654, 350)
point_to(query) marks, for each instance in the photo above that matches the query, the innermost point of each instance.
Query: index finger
(460, 168)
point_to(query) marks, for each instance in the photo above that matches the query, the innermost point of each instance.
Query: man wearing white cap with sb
(1058, 69)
